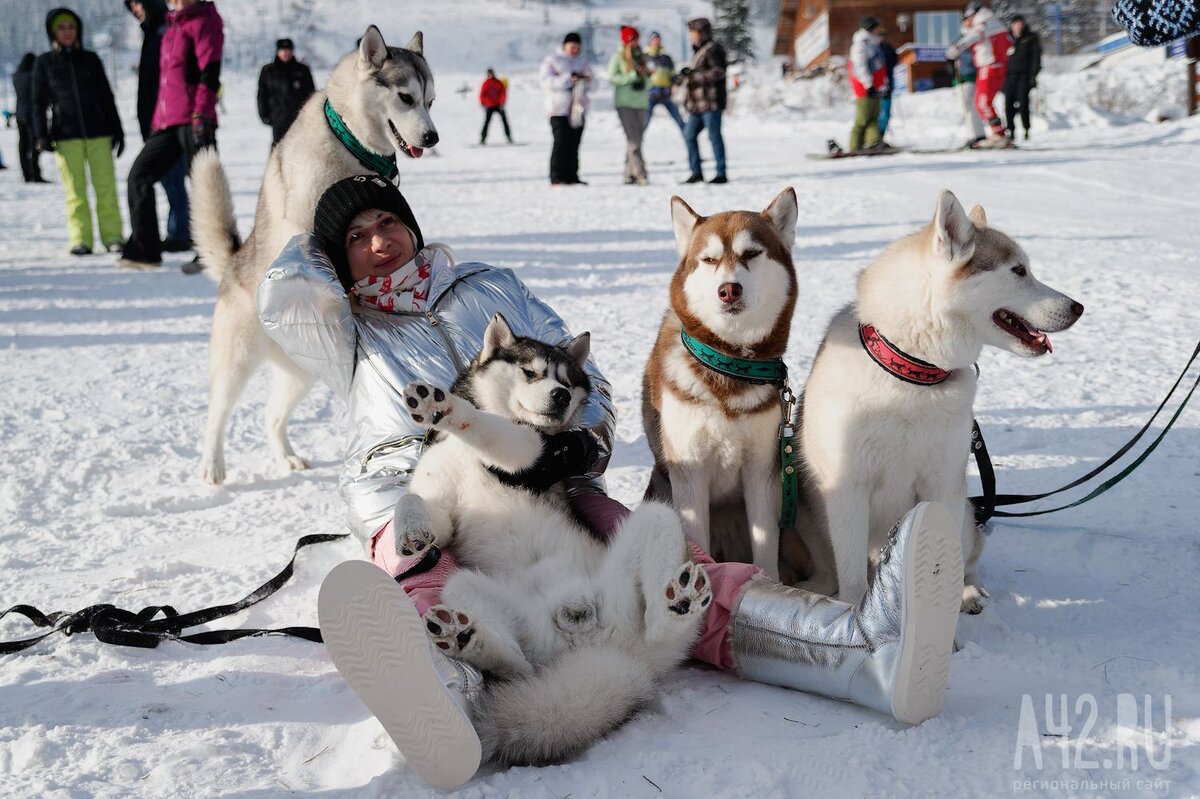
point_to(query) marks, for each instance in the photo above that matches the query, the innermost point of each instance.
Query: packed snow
(104, 391)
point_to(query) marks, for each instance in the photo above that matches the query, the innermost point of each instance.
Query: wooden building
(811, 32)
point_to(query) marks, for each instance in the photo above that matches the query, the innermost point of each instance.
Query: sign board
(927, 54)
(900, 79)
(813, 41)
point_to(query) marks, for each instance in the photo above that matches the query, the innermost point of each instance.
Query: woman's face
(377, 244)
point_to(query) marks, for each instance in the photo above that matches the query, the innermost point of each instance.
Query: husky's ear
(497, 336)
(953, 231)
(684, 220)
(372, 50)
(978, 217)
(416, 43)
(783, 212)
(579, 348)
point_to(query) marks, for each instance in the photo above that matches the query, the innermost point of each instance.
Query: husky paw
(427, 405)
(413, 541)
(450, 630)
(689, 591)
(293, 463)
(972, 599)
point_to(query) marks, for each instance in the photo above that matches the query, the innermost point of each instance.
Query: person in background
(987, 40)
(83, 131)
(31, 170)
(1024, 63)
(566, 77)
(627, 72)
(705, 81)
(964, 83)
(868, 78)
(283, 86)
(493, 94)
(890, 60)
(152, 17)
(662, 76)
(184, 121)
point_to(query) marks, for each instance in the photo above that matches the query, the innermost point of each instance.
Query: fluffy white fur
(874, 446)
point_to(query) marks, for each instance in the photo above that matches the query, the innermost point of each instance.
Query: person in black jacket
(890, 60)
(1024, 63)
(152, 17)
(83, 129)
(23, 83)
(283, 86)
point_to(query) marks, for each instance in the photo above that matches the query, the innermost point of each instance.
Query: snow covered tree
(733, 29)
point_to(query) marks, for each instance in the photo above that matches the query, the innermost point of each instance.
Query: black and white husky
(575, 632)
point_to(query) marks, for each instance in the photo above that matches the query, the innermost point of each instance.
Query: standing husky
(578, 632)
(715, 438)
(379, 97)
(887, 406)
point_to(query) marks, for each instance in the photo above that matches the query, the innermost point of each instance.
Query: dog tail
(214, 227)
(559, 711)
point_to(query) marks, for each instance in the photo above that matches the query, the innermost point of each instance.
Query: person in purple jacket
(184, 122)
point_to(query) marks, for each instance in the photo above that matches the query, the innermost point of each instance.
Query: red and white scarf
(406, 289)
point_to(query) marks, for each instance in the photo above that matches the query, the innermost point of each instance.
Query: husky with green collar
(375, 107)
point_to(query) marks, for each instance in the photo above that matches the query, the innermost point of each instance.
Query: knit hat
(572, 37)
(284, 44)
(628, 34)
(345, 200)
(870, 23)
(655, 35)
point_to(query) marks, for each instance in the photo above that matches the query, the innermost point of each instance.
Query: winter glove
(873, 93)
(202, 133)
(118, 144)
(638, 84)
(951, 53)
(683, 73)
(567, 454)
(43, 145)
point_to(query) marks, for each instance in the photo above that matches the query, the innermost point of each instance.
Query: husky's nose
(560, 397)
(730, 292)
(429, 139)
(1077, 309)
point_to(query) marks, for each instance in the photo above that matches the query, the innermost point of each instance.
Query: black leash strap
(986, 504)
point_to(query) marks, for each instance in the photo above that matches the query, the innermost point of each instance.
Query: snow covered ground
(102, 400)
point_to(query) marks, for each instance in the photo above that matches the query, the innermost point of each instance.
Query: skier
(152, 17)
(31, 170)
(84, 131)
(988, 42)
(283, 86)
(566, 77)
(662, 76)
(704, 78)
(1024, 63)
(627, 73)
(493, 94)
(868, 78)
(321, 303)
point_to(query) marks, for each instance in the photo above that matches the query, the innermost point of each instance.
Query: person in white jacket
(566, 78)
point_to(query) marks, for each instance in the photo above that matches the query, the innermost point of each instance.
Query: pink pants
(988, 81)
(603, 514)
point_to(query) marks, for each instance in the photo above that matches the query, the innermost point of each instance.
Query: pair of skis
(836, 152)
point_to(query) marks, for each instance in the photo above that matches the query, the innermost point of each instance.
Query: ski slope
(102, 399)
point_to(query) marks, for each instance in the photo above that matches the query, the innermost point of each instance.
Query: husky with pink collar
(888, 404)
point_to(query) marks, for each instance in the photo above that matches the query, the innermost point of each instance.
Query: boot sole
(932, 600)
(379, 645)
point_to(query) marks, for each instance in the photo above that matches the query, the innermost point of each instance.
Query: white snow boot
(378, 642)
(890, 651)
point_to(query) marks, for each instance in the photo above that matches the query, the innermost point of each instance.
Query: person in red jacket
(184, 122)
(492, 96)
(988, 41)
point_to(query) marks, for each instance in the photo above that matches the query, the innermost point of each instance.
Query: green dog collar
(384, 166)
(759, 373)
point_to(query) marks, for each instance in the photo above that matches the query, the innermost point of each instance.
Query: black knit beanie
(345, 200)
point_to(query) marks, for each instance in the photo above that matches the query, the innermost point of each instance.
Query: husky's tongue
(415, 152)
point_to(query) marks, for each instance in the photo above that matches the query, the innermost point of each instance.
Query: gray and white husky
(383, 95)
(575, 632)
(873, 444)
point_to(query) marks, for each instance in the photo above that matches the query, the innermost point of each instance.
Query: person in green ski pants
(83, 130)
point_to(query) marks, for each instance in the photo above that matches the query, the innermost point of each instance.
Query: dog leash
(770, 371)
(986, 504)
(143, 628)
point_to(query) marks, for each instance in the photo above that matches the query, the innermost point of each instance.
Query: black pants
(564, 155)
(1016, 99)
(31, 170)
(160, 152)
(487, 123)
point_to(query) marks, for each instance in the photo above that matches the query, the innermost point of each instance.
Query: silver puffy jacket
(368, 356)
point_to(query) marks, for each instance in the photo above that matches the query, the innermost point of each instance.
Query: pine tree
(732, 28)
